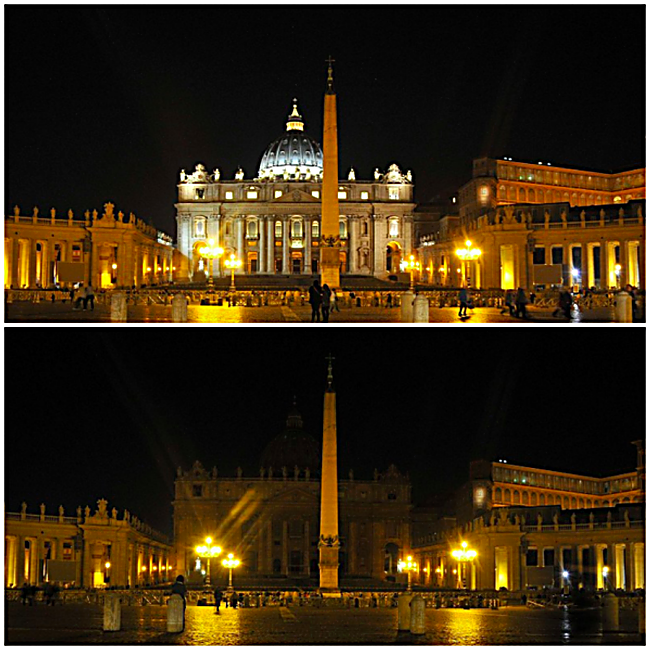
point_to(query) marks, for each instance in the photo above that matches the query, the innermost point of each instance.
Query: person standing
(179, 588)
(218, 597)
(89, 297)
(521, 301)
(463, 299)
(509, 303)
(335, 301)
(326, 303)
(81, 297)
(315, 299)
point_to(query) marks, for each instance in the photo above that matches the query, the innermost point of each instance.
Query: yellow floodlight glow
(464, 554)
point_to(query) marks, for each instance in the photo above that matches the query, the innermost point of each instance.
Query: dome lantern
(295, 122)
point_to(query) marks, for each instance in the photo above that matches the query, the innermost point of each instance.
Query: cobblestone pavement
(27, 312)
(82, 625)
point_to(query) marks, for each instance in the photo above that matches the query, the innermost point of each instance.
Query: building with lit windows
(271, 222)
(540, 226)
(108, 250)
(530, 527)
(271, 520)
(496, 183)
(97, 549)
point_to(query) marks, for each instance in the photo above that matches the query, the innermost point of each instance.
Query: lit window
(278, 229)
(251, 194)
(315, 230)
(200, 193)
(484, 191)
(393, 228)
(277, 194)
(343, 231)
(364, 196)
(229, 196)
(315, 194)
(199, 228)
(251, 229)
(343, 195)
(296, 228)
(393, 193)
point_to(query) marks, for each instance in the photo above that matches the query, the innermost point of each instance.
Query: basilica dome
(294, 155)
(294, 446)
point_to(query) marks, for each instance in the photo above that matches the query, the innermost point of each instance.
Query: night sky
(98, 413)
(109, 103)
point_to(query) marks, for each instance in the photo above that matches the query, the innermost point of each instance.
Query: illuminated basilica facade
(272, 222)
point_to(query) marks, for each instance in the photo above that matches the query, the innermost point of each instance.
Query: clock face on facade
(479, 496)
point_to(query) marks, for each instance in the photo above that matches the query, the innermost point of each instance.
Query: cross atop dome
(295, 122)
(330, 75)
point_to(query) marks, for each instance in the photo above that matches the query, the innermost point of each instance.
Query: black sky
(111, 413)
(109, 103)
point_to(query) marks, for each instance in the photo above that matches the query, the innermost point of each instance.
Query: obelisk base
(329, 571)
(330, 265)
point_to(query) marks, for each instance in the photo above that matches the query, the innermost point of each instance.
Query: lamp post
(617, 272)
(210, 252)
(605, 574)
(207, 552)
(463, 555)
(407, 567)
(411, 265)
(467, 255)
(230, 563)
(232, 263)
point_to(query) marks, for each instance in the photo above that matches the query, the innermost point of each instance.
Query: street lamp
(411, 266)
(230, 563)
(232, 263)
(463, 555)
(207, 552)
(617, 272)
(408, 566)
(210, 252)
(468, 254)
(605, 574)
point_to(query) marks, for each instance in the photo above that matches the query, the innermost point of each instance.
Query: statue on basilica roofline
(352, 175)
(16, 211)
(216, 175)
(239, 174)
(377, 174)
(183, 175)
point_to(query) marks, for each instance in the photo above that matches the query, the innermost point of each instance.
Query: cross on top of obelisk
(330, 76)
(330, 375)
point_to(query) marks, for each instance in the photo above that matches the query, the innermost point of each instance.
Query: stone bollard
(623, 309)
(179, 308)
(417, 615)
(404, 612)
(175, 614)
(407, 307)
(421, 309)
(641, 615)
(118, 307)
(112, 613)
(610, 613)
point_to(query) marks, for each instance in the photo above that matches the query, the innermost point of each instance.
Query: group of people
(28, 593)
(515, 303)
(83, 294)
(322, 299)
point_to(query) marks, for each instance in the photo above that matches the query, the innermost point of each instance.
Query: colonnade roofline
(560, 473)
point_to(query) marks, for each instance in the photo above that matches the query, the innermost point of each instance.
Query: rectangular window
(315, 194)
(67, 550)
(76, 253)
(251, 194)
(278, 230)
(539, 255)
(343, 195)
(200, 193)
(557, 254)
(197, 490)
(364, 196)
(315, 231)
(549, 557)
(229, 196)
(393, 193)
(531, 557)
(277, 194)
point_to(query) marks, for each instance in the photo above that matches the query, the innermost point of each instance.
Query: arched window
(315, 230)
(516, 499)
(522, 195)
(251, 229)
(533, 499)
(498, 494)
(364, 227)
(542, 499)
(502, 191)
(296, 228)
(228, 228)
(512, 194)
(574, 502)
(278, 230)
(524, 498)
(566, 502)
(581, 503)
(506, 495)
(540, 196)
(531, 196)
(393, 227)
(343, 229)
(199, 227)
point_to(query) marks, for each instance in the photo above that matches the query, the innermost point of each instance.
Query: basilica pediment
(296, 196)
(295, 495)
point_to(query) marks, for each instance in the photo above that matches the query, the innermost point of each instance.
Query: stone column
(306, 547)
(629, 567)
(307, 249)
(15, 275)
(86, 573)
(604, 265)
(241, 250)
(269, 546)
(285, 547)
(270, 258)
(352, 548)
(261, 568)
(285, 246)
(353, 244)
(20, 561)
(31, 276)
(625, 274)
(262, 247)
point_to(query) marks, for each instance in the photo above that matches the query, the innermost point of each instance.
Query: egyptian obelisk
(328, 543)
(330, 241)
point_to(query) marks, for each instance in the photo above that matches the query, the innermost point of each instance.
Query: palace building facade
(108, 250)
(272, 222)
(271, 520)
(96, 550)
